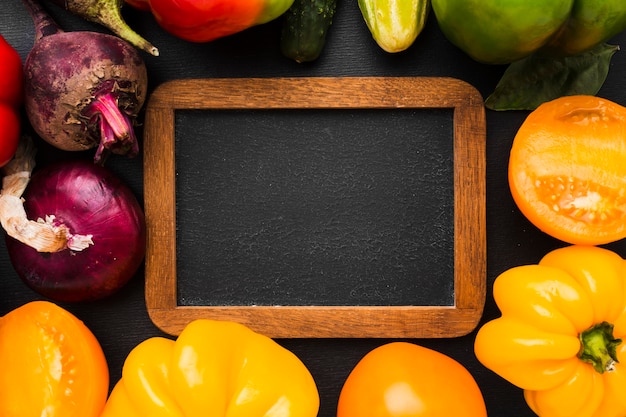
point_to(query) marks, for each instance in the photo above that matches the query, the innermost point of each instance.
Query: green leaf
(539, 78)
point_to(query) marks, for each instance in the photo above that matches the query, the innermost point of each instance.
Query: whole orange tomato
(401, 379)
(567, 169)
(51, 364)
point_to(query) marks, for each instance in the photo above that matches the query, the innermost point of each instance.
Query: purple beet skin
(83, 89)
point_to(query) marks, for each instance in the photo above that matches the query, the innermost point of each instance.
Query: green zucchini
(304, 28)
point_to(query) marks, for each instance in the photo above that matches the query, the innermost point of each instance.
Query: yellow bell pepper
(559, 336)
(214, 368)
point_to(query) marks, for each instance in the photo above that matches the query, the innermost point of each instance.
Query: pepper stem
(599, 347)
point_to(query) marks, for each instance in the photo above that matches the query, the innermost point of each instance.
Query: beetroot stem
(117, 134)
(44, 24)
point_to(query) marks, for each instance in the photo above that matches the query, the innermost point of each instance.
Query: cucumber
(395, 24)
(304, 29)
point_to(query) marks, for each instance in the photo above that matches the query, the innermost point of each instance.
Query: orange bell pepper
(560, 334)
(51, 364)
(214, 368)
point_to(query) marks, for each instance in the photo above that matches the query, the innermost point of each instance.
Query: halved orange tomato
(50, 364)
(402, 379)
(567, 169)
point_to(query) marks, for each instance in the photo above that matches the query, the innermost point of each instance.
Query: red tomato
(11, 75)
(401, 379)
(52, 365)
(10, 129)
(11, 97)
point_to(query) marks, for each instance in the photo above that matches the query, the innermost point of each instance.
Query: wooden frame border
(317, 93)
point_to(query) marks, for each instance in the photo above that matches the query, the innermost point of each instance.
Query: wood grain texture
(320, 93)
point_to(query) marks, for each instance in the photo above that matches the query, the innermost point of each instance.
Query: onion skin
(88, 199)
(83, 89)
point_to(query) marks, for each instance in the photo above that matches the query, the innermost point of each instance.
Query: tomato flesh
(582, 200)
(52, 365)
(566, 169)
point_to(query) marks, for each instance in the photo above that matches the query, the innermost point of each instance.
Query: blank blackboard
(335, 207)
(315, 207)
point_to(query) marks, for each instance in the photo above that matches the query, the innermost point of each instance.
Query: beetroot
(83, 89)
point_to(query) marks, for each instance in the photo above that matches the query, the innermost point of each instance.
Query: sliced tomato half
(567, 169)
(51, 364)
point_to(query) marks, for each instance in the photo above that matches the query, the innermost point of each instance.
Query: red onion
(83, 89)
(89, 237)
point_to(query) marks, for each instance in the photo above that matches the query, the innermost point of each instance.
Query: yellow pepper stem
(598, 347)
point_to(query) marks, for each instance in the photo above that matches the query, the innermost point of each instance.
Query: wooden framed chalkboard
(197, 181)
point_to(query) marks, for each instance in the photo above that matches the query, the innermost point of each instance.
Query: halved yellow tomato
(402, 379)
(567, 169)
(51, 364)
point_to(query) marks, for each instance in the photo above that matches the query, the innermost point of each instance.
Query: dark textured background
(121, 322)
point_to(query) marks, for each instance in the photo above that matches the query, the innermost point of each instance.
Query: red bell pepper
(206, 20)
(11, 97)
